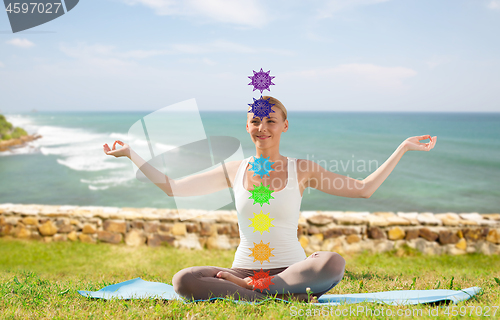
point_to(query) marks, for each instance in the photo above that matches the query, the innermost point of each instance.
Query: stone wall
(343, 232)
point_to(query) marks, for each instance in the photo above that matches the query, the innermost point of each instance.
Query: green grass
(39, 280)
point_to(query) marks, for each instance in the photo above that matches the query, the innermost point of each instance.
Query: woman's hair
(276, 103)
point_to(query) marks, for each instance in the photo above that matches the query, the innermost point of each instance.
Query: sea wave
(91, 187)
(86, 164)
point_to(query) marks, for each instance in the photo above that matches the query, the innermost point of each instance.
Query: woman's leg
(320, 272)
(201, 283)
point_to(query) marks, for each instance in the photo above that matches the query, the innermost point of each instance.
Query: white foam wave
(120, 136)
(164, 147)
(18, 120)
(53, 136)
(27, 149)
(113, 180)
(91, 187)
(86, 164)
(81, 150)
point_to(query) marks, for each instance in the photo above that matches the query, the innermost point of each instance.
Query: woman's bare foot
(244, 283)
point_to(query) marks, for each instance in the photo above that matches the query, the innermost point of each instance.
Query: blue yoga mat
(140, 289)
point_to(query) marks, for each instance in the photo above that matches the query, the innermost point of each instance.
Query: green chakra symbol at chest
(261, 222)
(261, 194)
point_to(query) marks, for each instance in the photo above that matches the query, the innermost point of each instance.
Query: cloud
(332, 6)
(1, 64)
(249, 13)
(105, 53)
(21, 43)
(223, 46)
(494, 5)
(101, 56)
(205, 61)
(359, 75)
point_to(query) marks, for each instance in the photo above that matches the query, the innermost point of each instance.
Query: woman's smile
(263, 137)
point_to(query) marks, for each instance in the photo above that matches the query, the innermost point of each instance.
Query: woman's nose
(262, 126)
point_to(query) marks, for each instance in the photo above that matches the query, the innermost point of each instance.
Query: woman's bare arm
(331, 182)
(374, 180)
(195, 185)
(343, 186)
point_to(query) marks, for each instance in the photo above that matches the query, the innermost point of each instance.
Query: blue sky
(330, 55)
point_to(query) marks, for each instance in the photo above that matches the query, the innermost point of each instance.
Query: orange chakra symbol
(261, 280)
(261, 252)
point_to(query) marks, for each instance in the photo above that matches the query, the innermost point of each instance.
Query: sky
(325, 55)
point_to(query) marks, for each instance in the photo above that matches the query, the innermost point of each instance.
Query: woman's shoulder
(234, 163)
(306, 165)
(232, 166)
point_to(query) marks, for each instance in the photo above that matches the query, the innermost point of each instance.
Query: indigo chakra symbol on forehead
(261, 166)
(261, 80)
(261, 108)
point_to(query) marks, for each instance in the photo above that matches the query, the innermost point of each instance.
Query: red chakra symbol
(261, 280)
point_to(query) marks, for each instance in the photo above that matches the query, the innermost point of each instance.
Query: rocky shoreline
(339, 231)
(6, 145)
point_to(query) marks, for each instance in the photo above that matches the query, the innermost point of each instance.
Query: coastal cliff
(11, 136)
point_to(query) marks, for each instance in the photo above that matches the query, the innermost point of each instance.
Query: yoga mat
(140, 289)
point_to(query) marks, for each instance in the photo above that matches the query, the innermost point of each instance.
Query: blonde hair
(276, 104)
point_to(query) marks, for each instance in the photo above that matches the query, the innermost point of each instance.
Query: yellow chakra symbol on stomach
(261, 252)
(261, 222)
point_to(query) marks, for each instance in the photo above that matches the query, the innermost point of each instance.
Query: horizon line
(239, 111)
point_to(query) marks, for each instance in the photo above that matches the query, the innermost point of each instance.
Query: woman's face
(267, 133)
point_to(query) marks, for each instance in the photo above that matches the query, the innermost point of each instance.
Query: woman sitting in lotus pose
(269, 259)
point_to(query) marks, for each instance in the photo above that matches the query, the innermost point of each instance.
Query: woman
(269, 258)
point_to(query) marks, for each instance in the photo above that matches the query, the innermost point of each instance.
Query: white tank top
(268, 233)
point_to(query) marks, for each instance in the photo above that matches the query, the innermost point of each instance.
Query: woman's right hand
(124, 151)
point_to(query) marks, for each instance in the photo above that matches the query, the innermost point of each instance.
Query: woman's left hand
(413, 143)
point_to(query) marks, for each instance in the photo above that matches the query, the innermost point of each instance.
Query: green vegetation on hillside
(8, 132)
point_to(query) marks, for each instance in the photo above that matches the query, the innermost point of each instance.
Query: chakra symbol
(261, 280)
(261, 194)
(261, 252)
(261, 166)
(261, 108)
(261, 80)
(261, 222)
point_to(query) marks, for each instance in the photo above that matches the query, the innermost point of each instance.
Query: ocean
(461, 174)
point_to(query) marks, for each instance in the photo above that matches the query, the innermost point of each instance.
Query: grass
(40, 280)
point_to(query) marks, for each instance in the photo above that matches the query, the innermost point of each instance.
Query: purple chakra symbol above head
(261, 80)
(261, 108)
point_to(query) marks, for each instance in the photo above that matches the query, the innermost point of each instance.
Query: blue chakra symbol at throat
(261, 108)
(261, 80)
(261, 166)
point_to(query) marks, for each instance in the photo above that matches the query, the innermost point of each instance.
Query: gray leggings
(321, 271)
